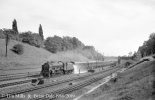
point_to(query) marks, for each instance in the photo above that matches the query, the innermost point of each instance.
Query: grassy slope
(134, 84)
(33, 57)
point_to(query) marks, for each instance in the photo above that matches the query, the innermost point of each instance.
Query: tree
(14, 25)
(41, 32)
(54, 44)
(76, 43)
(134, 56)
(119, 60)
(130, 54)
(26, 37)
(57, 43)
(148, 46)
(67, 43)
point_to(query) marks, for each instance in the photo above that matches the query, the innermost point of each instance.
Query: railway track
(20, 82)
(51, 84)
(14, 83)
(17, 76)
(67, 90)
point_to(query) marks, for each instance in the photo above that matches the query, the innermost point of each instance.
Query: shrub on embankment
(18, 49)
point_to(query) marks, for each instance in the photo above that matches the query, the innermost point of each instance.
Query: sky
(113, 27)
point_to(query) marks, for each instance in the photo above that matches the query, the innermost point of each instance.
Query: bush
(18, 49)
(30, 38)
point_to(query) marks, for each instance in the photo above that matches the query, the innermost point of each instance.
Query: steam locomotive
(50, 69)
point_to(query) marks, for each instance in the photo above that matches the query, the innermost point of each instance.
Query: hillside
(33, 57)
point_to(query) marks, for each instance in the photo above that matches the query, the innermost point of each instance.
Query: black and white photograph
(77, 49)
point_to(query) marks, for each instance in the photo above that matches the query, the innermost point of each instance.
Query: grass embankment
(135, 84)
(33, 57)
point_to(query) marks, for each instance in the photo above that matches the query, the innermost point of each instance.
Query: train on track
(50, 69)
